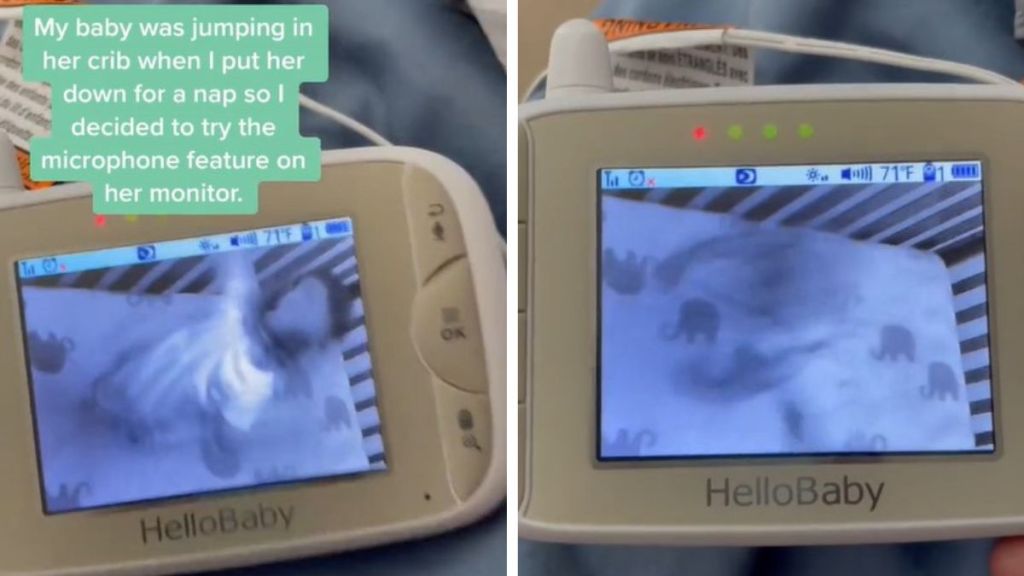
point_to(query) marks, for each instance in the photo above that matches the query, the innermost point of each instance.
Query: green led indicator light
(806, 131)
(770, 131)
(735, 132)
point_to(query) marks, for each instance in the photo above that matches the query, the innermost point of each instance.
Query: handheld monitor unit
(769, 315)
(184, 393)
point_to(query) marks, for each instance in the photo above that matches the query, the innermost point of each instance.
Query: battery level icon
(338, 227)
(965, 171)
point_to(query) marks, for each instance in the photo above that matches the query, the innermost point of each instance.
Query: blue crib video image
(757, 321)
(200, 374)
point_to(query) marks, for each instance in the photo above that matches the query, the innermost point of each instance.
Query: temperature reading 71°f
(274, 236)
(898, 172)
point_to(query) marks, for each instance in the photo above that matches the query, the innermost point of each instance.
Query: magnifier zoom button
(466, 432)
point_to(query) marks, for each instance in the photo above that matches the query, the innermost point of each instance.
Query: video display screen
(762, 311)
(199, 365)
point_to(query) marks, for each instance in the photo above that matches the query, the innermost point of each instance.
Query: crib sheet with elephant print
(200, 373)
(726, 337)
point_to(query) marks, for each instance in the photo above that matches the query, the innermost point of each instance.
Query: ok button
(446, 328)
(450, 334)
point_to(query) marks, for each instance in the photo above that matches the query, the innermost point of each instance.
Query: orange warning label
(30, 184)
(672, 68)
(615, 29)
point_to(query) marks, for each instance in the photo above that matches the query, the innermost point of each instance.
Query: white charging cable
(534, 85)
(346, 121)
(796, 45)
(16, 13)
(807, 46)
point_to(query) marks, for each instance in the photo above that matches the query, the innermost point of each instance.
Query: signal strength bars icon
(863, 173)
(247, 239)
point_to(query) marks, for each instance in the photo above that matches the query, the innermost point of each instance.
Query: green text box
(169, 109)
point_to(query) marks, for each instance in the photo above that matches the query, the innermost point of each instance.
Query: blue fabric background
(977, 32)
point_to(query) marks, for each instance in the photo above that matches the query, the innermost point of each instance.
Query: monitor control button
(436, 233)
(466, 432)
(446, 328)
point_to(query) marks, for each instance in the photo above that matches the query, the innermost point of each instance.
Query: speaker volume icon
(863, 173)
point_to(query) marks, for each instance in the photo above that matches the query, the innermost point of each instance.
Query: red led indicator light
(700, 133)
(100, 220)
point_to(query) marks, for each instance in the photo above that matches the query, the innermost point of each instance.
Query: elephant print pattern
(896, 342)
(336, 415)
(942, 382)
(49, 354)
(627, 444)
(68, 497)
(627, 275)
(698, 318)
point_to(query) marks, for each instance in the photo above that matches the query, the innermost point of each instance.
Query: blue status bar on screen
(175, 249)
(808, 175)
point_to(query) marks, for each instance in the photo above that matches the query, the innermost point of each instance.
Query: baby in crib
(764, 340)
(212, 377)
